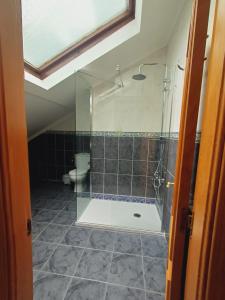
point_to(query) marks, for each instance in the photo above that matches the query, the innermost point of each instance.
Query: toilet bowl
(79, 175)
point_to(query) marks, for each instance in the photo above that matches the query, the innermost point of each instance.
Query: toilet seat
(76, 172)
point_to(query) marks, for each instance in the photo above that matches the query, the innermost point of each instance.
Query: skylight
(52, 28)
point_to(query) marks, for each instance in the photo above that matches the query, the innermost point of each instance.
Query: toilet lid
(76, 172)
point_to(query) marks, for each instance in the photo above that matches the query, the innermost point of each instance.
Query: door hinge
(29, 227)
(190, 222)
(187, 220)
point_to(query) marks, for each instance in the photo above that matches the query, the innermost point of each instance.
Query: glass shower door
(82, 142)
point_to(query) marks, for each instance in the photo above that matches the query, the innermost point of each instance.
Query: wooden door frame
(206, 258)
(15, 243)
(186, 147)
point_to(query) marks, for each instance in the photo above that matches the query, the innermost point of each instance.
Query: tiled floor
(78, 263)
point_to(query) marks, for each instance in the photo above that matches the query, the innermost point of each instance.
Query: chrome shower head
(139, 77)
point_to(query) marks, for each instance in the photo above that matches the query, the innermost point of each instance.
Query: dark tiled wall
(124, 165)
(51, 154)
(169, 161)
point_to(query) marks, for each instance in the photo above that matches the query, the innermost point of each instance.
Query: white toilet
(78, 175)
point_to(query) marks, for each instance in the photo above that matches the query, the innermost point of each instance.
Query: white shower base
(108, 213)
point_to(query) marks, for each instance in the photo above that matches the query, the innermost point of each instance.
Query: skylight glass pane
(51, 26)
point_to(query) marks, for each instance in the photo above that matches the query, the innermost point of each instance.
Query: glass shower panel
(170, 138)
(127, 122)
(133, 152)
(82, 142)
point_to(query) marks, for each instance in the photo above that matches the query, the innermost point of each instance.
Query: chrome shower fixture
(140, 75)
(180, 68)
(119, 74)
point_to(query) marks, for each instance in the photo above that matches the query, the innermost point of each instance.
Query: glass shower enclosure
(82, 143)
(122, 141)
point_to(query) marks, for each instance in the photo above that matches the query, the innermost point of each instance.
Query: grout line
(75, 270)
(110, 264)
(57, 244)
(49, 223)
(105, 282)
(103, 250)
(132, 167)
(146, 183)
(142, 260)
(127, 174)
(117, 178)
(84, 248)
(103, 174)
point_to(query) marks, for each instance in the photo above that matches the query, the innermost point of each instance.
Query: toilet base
(80, 187)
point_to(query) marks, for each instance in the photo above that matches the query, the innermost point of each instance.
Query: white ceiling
(158, 21)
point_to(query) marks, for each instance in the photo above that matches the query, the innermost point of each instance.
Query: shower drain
(136, 215)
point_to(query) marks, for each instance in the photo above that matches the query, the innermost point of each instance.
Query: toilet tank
(82, 161)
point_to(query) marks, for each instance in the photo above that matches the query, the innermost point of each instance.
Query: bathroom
(102, 166)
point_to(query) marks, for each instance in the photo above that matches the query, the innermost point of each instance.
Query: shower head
(140, 75)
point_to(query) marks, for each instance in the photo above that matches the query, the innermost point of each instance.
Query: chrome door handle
(169, 184)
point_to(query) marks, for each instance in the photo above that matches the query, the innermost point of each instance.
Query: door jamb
(186, 146)
(206, 262)
(15, 250)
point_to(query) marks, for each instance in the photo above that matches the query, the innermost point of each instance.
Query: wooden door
(15, 241)
(205, 276)
(186, 145)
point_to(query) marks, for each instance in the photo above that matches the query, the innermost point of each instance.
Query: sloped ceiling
(159, 18)
(158, 21)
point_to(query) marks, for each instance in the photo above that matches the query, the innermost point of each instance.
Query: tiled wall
(124, 165)
(51, 154)
(121, 164)
(166, 194)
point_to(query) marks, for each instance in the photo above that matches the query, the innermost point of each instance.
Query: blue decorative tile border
(175, 136)
(113, 197)
(123, 198)
(126, 134)
(83, 194)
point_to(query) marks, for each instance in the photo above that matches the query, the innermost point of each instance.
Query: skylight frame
(86, 43)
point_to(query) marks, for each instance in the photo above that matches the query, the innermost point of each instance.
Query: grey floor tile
(70, 205)
(39, 204)
(81, 289)
(127, 270)
(45, 215)
(53, 233)
(65, 196)
(35, 274)
(64, 260)
(101, 239)
(128, 243)
(154, 246)
(55, 205)
(123, 293)
(155, 274)
(94, 264)
(35, 211)
(41, 252)
(38, 228)
(65, 218)
(151, 296)
(50, 286)
(77, 236)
